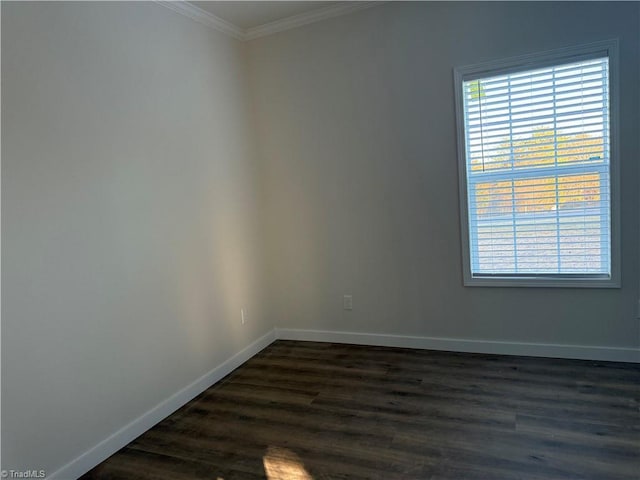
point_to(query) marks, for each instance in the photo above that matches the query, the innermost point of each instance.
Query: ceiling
(247, 14)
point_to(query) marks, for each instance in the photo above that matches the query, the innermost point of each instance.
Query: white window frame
(608, 48)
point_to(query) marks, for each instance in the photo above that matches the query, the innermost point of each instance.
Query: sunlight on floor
(283, 464)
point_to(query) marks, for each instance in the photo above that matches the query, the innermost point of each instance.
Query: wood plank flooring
(310, 411)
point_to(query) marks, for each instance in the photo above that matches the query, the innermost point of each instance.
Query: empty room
(292, 240)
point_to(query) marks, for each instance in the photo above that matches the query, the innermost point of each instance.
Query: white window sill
(543, 281)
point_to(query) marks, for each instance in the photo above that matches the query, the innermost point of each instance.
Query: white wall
(357, 135)
(129, 221)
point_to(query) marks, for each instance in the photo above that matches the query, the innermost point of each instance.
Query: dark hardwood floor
(302, 410)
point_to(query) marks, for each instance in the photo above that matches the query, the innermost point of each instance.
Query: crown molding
(306, 18)
(201, 16)
(187, 9)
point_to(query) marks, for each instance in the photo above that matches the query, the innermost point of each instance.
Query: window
(538, 180)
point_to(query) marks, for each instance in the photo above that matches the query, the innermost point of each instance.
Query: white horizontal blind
(537, 169)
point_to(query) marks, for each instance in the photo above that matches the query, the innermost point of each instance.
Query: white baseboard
(614, 354)
(126, 434)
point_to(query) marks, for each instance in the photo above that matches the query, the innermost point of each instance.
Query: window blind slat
(541, 141)
(545, 92)
(492, 97)
(533, 120)
(523, 133)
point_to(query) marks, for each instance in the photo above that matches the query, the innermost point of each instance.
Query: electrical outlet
(347, 302)
(243, 315)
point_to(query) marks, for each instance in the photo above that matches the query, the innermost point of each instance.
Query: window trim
(533, 61)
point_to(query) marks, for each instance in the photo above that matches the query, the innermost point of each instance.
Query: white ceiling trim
(313, 16)
(199, 15)
(202, 16)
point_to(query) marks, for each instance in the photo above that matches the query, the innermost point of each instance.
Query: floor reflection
(283, 464)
